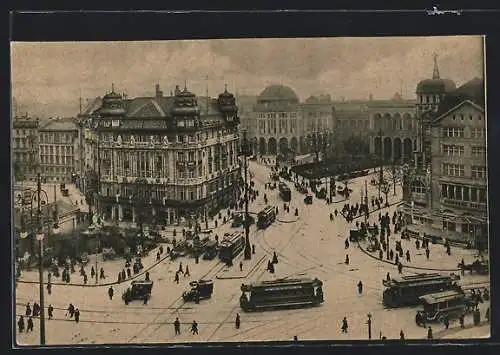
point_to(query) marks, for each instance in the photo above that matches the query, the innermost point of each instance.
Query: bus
(406, 290)
(438, 306)
(281, 293)
(285, 192)
(231, 246)
(266, 217)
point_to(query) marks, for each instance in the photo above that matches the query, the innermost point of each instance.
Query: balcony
(476, 206)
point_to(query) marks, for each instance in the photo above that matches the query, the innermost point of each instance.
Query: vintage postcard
(249, 190)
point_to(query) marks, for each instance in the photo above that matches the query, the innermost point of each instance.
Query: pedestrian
(129, 272)
(51, 311)
(30, 325)
(177, 277)
(345, 326)
(145, 300)
(380, 254)
(347, 259)
(408, 259)
(20, 324)
(77, 315)
(461, 320)
(346, 243)
(446, 322)
(110, 292)
(275, 258)
(187, 271)
(71, 310)
(180, 267)
(101, 276)
(360, 287)
(253, 248)
(429, 333)
(177, 327)
(427, 253)
(487, 314)
(400, 268)
(92, 272)
(85, 279)
(396, 260)
(28, 310)
(194, 327)
(401, 335)
(158, 256)
(237, 321)
(36, 309)
(388, 277)
(241, 265)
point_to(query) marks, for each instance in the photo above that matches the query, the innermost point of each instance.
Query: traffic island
(234, 272)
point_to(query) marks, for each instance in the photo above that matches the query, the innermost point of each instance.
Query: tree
(394, 176)
(385, 188)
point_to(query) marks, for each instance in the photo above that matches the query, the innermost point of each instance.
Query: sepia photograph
(249, 190)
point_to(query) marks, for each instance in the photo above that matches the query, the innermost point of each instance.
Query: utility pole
(40, 262)
(381, 174)
(248, 249)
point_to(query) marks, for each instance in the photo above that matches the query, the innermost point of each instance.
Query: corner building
(166, 159)
(445, 189)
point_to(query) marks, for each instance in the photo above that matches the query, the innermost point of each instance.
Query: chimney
(159, 93)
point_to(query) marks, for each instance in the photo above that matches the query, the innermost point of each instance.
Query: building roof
(59, 124)
(432, 86)
(472, 90)
(278, 93)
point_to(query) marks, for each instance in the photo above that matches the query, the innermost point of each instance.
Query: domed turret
(436, 85)
(185, 103)
(227, 102)
(112, 104)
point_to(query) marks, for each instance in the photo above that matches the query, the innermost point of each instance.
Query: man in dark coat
(177, 327)
(110, 292)
(77, 315)
(30, 325)
(51, 311)
(20, 324)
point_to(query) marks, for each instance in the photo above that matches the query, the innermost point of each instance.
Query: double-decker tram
(266, 217)
(406, 290)
(231, 246)
(281, 293)
(285, 192)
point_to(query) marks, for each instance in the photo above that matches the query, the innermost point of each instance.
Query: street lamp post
(369, 322)
(381, 173)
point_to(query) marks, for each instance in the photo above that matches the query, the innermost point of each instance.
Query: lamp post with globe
(40, 236)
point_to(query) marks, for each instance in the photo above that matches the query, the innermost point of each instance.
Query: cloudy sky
(48, 78)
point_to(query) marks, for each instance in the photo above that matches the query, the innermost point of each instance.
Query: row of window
(52, 137)
(56, 159)
(24, 157)
(459, 150)
(23, 143)
(171, 138)
(471, 228)
(429, 99)
(25, 132)
(463, 193)
(459, 132)
(458, 170)
(278, 115)
(49, 170)
(158, 192)
(352, 124)
(283, 127)
(471, 117)
(394, 124)
(57, 150)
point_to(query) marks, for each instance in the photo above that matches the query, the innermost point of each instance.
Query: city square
(166, 182)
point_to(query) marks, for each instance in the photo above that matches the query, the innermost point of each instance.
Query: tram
(281, 293)
(231, 246)
(284, 192)
(406, 290)
(438, 306)
(266, 217)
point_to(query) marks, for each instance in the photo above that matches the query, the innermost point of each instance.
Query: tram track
(172, 308)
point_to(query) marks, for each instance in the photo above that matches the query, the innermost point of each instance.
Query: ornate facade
(445, 189)
(164, 159)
